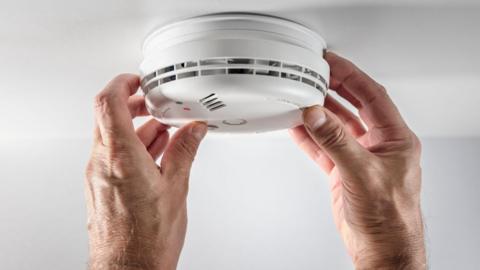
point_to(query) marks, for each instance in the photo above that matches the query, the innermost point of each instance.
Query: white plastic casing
(237, 72)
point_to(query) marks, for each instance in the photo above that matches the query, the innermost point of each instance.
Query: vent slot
(311, 73)
(267, 72)
(240, 71)
(308, 81)
(150, 86)
(292, 67)
(322, 79)
(187, 75)
(167, 79)
(149, 77)
(207, 97)
(217, 107)
(187, 64)
(320, 88)
(216, 103)
(244, 66)
(290, 76)
(212, 103)
(209, 62)
(213, 72)
(240, 61)
(269, 63)
(165, 70)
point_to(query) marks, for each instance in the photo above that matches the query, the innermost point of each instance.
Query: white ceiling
(55, 55)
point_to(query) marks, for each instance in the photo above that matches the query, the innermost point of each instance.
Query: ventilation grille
(212, 103)
(244, 66)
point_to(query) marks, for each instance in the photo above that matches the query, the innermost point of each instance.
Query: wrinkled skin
(374, 172)
(137, 215)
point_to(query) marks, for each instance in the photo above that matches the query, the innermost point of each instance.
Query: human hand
(375, 173)
(137, 214)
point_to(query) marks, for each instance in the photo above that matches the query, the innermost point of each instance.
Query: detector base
(236, 72)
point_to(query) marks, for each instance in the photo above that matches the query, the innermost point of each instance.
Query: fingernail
(315, 117)
(199, 130)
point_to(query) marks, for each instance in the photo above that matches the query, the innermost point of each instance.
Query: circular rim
(265, 18)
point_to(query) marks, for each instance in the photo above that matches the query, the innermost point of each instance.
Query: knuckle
(180, 162)
(334, 137)
(413, 142)
(89, 170)
(111, 163)
(104, 98)
(186, 148)
(382, 90)
(124, 77)
(416, 144)
(101, 101)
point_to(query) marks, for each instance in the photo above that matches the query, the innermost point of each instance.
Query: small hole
(213, 62)
(240, 71)
(211, 127)
(179, 102)
(213, 71)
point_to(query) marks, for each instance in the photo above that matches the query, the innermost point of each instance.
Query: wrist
(120, 260)
(133, 255)
(396, 243)
(399, 253)
(400, 261)
(129, 262)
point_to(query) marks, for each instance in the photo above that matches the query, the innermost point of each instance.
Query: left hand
(137, 214)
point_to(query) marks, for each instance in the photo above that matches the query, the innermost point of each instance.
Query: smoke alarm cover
(237, 72)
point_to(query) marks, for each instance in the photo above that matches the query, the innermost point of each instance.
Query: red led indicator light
(186, 109)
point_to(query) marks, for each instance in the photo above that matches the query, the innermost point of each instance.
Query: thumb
(331, 136)
(180, 153)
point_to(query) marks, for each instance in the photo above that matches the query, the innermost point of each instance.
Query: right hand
(374, 173)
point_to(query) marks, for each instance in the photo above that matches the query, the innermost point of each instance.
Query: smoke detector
(237, 72)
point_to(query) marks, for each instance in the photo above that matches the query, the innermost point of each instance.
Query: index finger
(376, 108)
(112, 112)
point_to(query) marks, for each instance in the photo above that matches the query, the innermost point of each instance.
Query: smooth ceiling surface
(56, 55)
